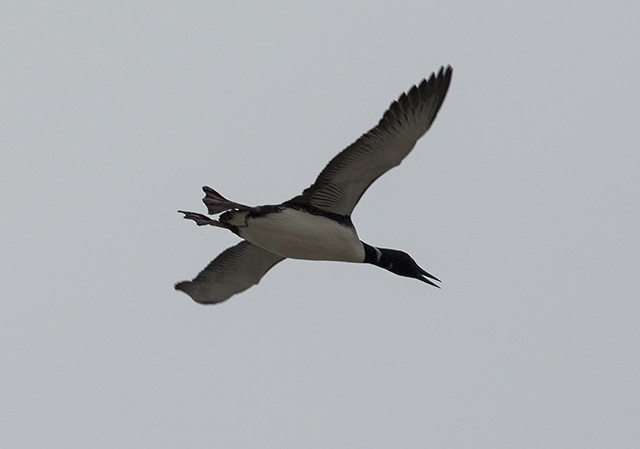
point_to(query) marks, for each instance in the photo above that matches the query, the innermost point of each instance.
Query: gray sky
(523, 198)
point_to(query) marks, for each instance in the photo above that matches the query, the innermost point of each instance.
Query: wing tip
(191, 290)
(437, 84)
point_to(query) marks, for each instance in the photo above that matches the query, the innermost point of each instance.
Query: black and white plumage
(316, 225)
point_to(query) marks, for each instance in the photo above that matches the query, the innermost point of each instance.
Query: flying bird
(316, 225)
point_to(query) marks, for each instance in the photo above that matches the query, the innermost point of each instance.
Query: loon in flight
(316, 225)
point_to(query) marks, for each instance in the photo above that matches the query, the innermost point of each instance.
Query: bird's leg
(216, 203)
(201, 220)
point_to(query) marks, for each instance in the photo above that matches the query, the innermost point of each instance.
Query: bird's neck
(373, 255)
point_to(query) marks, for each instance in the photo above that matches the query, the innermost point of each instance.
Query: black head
(398, 262)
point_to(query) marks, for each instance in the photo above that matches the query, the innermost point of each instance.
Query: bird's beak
(426, 277)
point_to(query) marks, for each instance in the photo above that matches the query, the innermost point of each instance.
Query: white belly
(299, 235)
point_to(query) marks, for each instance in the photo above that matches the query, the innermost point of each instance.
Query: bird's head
(402, 264)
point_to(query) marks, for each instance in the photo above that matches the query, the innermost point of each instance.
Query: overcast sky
(523, 198)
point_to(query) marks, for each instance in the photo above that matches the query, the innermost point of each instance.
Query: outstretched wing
(340, 185)
(233, 271)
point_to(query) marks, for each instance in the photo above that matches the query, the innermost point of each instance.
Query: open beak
(426, 277)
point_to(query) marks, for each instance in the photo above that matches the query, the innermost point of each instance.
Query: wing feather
(233, 271)
(344, 180)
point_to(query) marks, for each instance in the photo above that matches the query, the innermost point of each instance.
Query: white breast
(300, 235)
